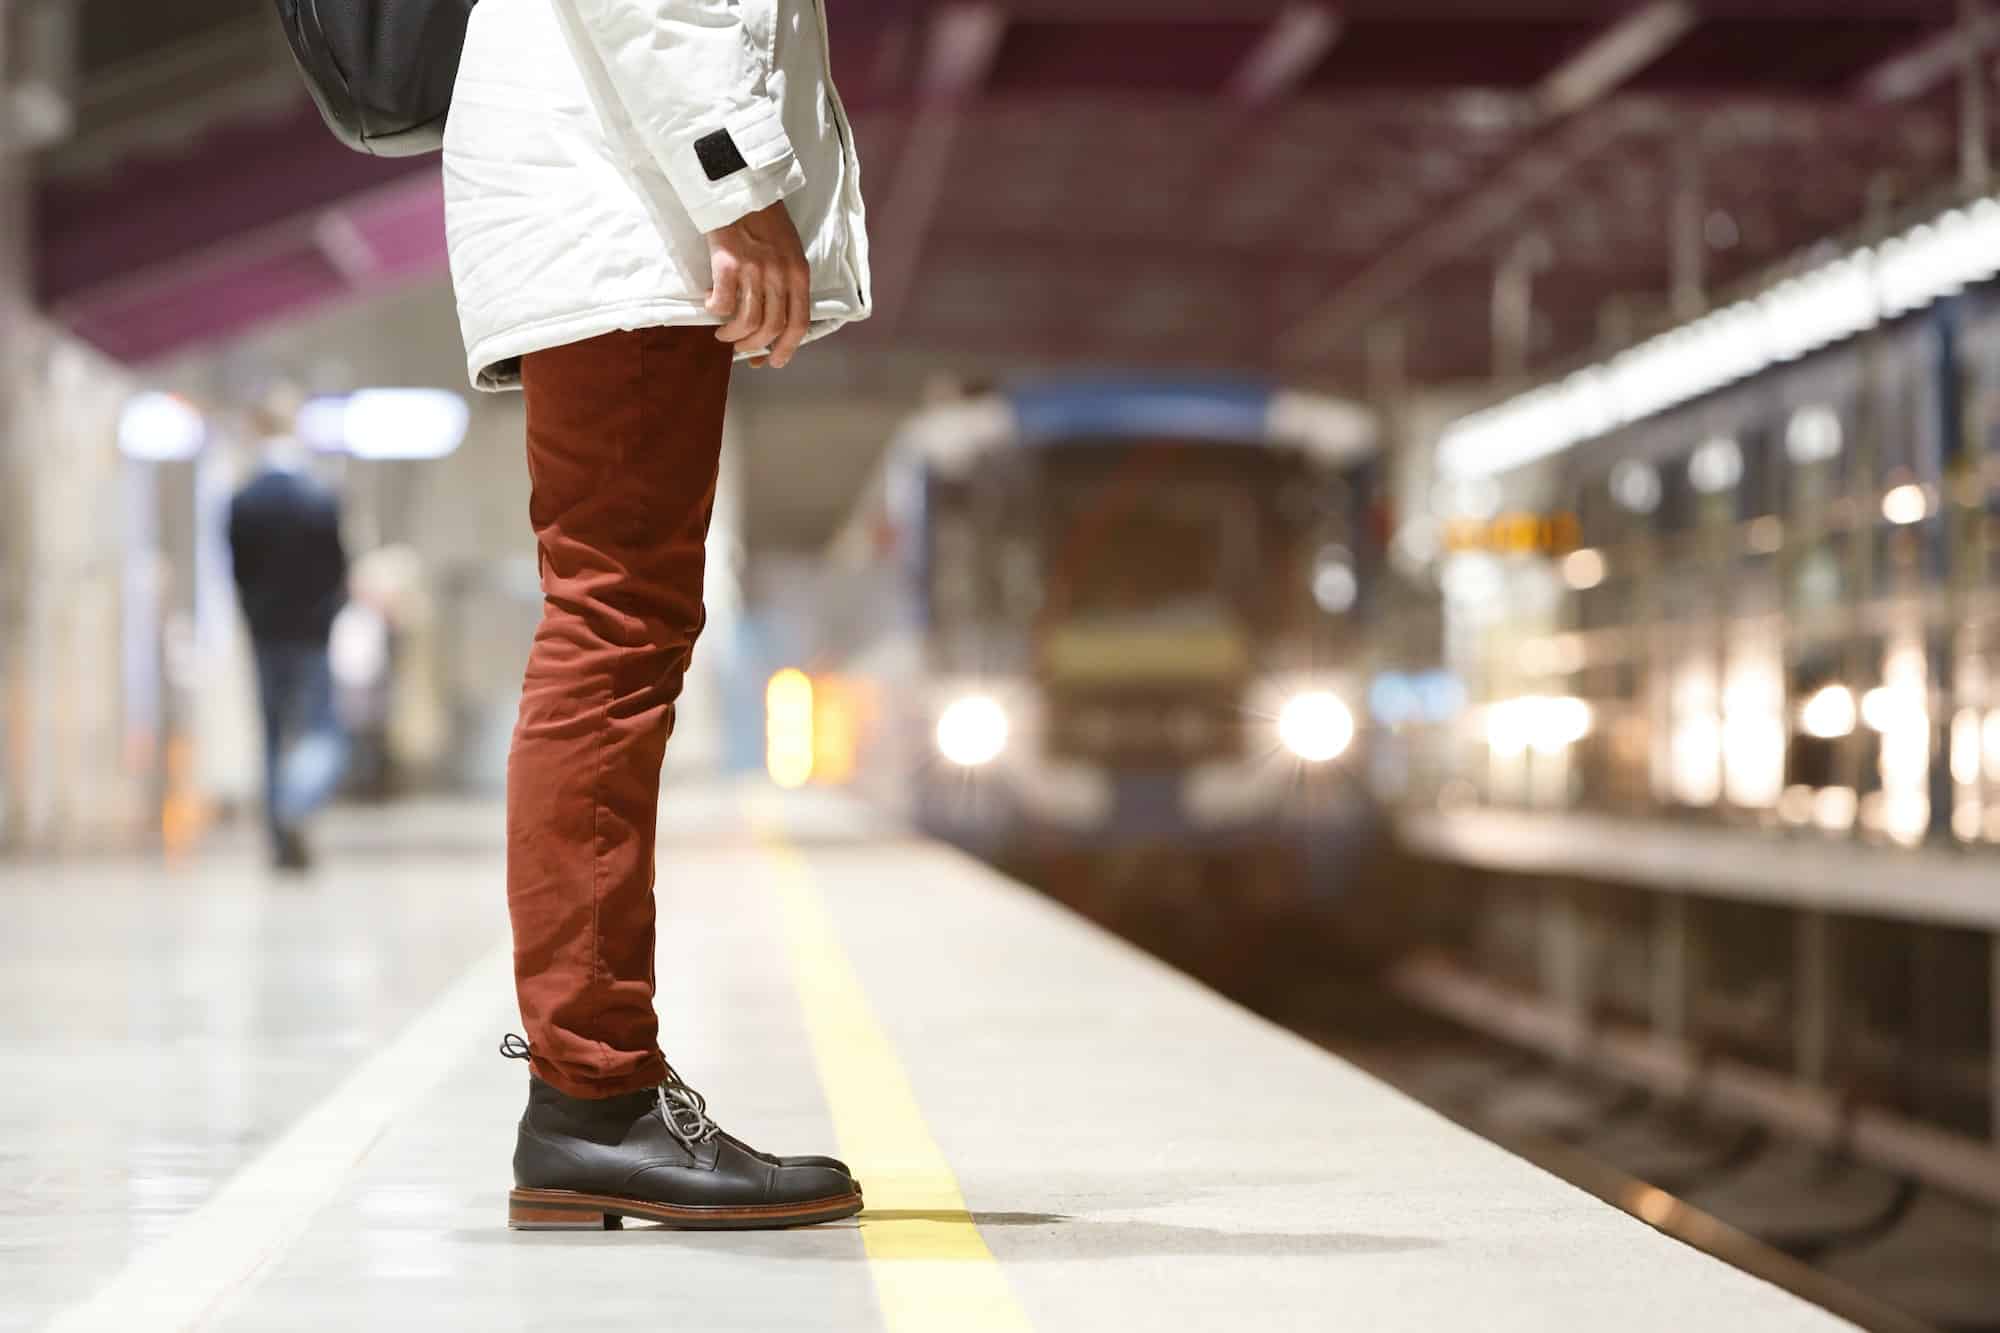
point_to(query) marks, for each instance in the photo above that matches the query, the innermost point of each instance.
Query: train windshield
(1112, 561)
(1158, 556)
(1151, 553)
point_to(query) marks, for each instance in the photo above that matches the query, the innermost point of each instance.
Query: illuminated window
(1716, 466)
(1814, 435)
(1636, 486)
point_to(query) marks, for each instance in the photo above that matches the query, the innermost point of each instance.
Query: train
(1779, 615)
(1719, 810)
(1105, 614)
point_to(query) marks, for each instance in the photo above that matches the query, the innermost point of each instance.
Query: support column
(16, 514)
(1388, 364)
(1690, 236)
(1975, 167)
(1514, 307)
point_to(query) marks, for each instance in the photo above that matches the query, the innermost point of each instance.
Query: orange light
(836, 731)
(1655, 1207)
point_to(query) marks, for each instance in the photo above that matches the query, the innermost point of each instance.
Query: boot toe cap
(811, 1159)
(798, 1182)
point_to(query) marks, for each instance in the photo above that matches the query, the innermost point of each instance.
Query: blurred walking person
(291, 576)
(639, 193)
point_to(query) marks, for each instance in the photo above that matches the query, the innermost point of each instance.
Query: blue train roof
(949, 438)
(1213, 411)
(1105, 409)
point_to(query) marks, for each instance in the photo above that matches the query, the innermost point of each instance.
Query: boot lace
(684, 1109)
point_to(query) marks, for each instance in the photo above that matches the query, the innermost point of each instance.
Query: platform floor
(243, 1104)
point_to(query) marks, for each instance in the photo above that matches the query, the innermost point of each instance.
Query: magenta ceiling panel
(174, 248)
(145, 323)
(403, 227)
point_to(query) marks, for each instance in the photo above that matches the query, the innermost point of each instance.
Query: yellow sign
(1515, 534)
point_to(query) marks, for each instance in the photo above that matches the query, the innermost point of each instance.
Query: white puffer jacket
(593, 142)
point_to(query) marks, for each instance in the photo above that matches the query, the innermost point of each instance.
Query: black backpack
(381, 71)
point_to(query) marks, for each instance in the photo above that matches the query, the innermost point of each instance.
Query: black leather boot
(588, 1163)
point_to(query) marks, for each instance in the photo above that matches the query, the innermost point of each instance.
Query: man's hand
(763, 287)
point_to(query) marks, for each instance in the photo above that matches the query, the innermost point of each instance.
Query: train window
(1816, 449)
(1825, 714)
(1636, 486)
(1896, 713)
(1754, 734)
(1694, 728)
(1909, 545)
(1716, 465)
(1714, 472)
(1814, 435)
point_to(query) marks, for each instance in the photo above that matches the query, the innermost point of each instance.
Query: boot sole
(566, 1210)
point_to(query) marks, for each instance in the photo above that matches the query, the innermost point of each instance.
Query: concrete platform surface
(249, 1105)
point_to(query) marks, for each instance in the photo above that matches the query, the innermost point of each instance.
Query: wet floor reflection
(169, 1023)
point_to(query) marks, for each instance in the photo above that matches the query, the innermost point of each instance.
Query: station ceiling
(1320, 191)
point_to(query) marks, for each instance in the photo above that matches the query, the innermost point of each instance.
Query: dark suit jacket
(291, 571)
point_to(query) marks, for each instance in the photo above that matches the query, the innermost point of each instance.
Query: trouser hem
(592, 1087)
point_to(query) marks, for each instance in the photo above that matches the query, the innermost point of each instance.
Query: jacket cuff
(746, 193)
(744, 165)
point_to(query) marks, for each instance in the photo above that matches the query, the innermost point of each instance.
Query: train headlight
(972, 731)
(1316, 726)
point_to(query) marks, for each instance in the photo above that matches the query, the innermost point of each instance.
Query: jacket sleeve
(691, 79)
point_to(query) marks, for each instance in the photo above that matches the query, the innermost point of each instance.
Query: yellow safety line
(932, 1269)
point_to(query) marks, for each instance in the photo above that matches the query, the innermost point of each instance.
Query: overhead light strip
(1839, 300)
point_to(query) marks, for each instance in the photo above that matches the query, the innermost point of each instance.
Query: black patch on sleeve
(719, 155)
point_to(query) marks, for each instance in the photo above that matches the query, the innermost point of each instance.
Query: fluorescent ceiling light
(1620, 52)
(1836, 301)
(1291, 49)
(382, 425)
(160, 428)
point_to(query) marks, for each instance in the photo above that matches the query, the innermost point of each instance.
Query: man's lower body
(305, 749)
(624, 437)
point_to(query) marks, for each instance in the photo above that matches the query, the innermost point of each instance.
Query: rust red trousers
(624, 434)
